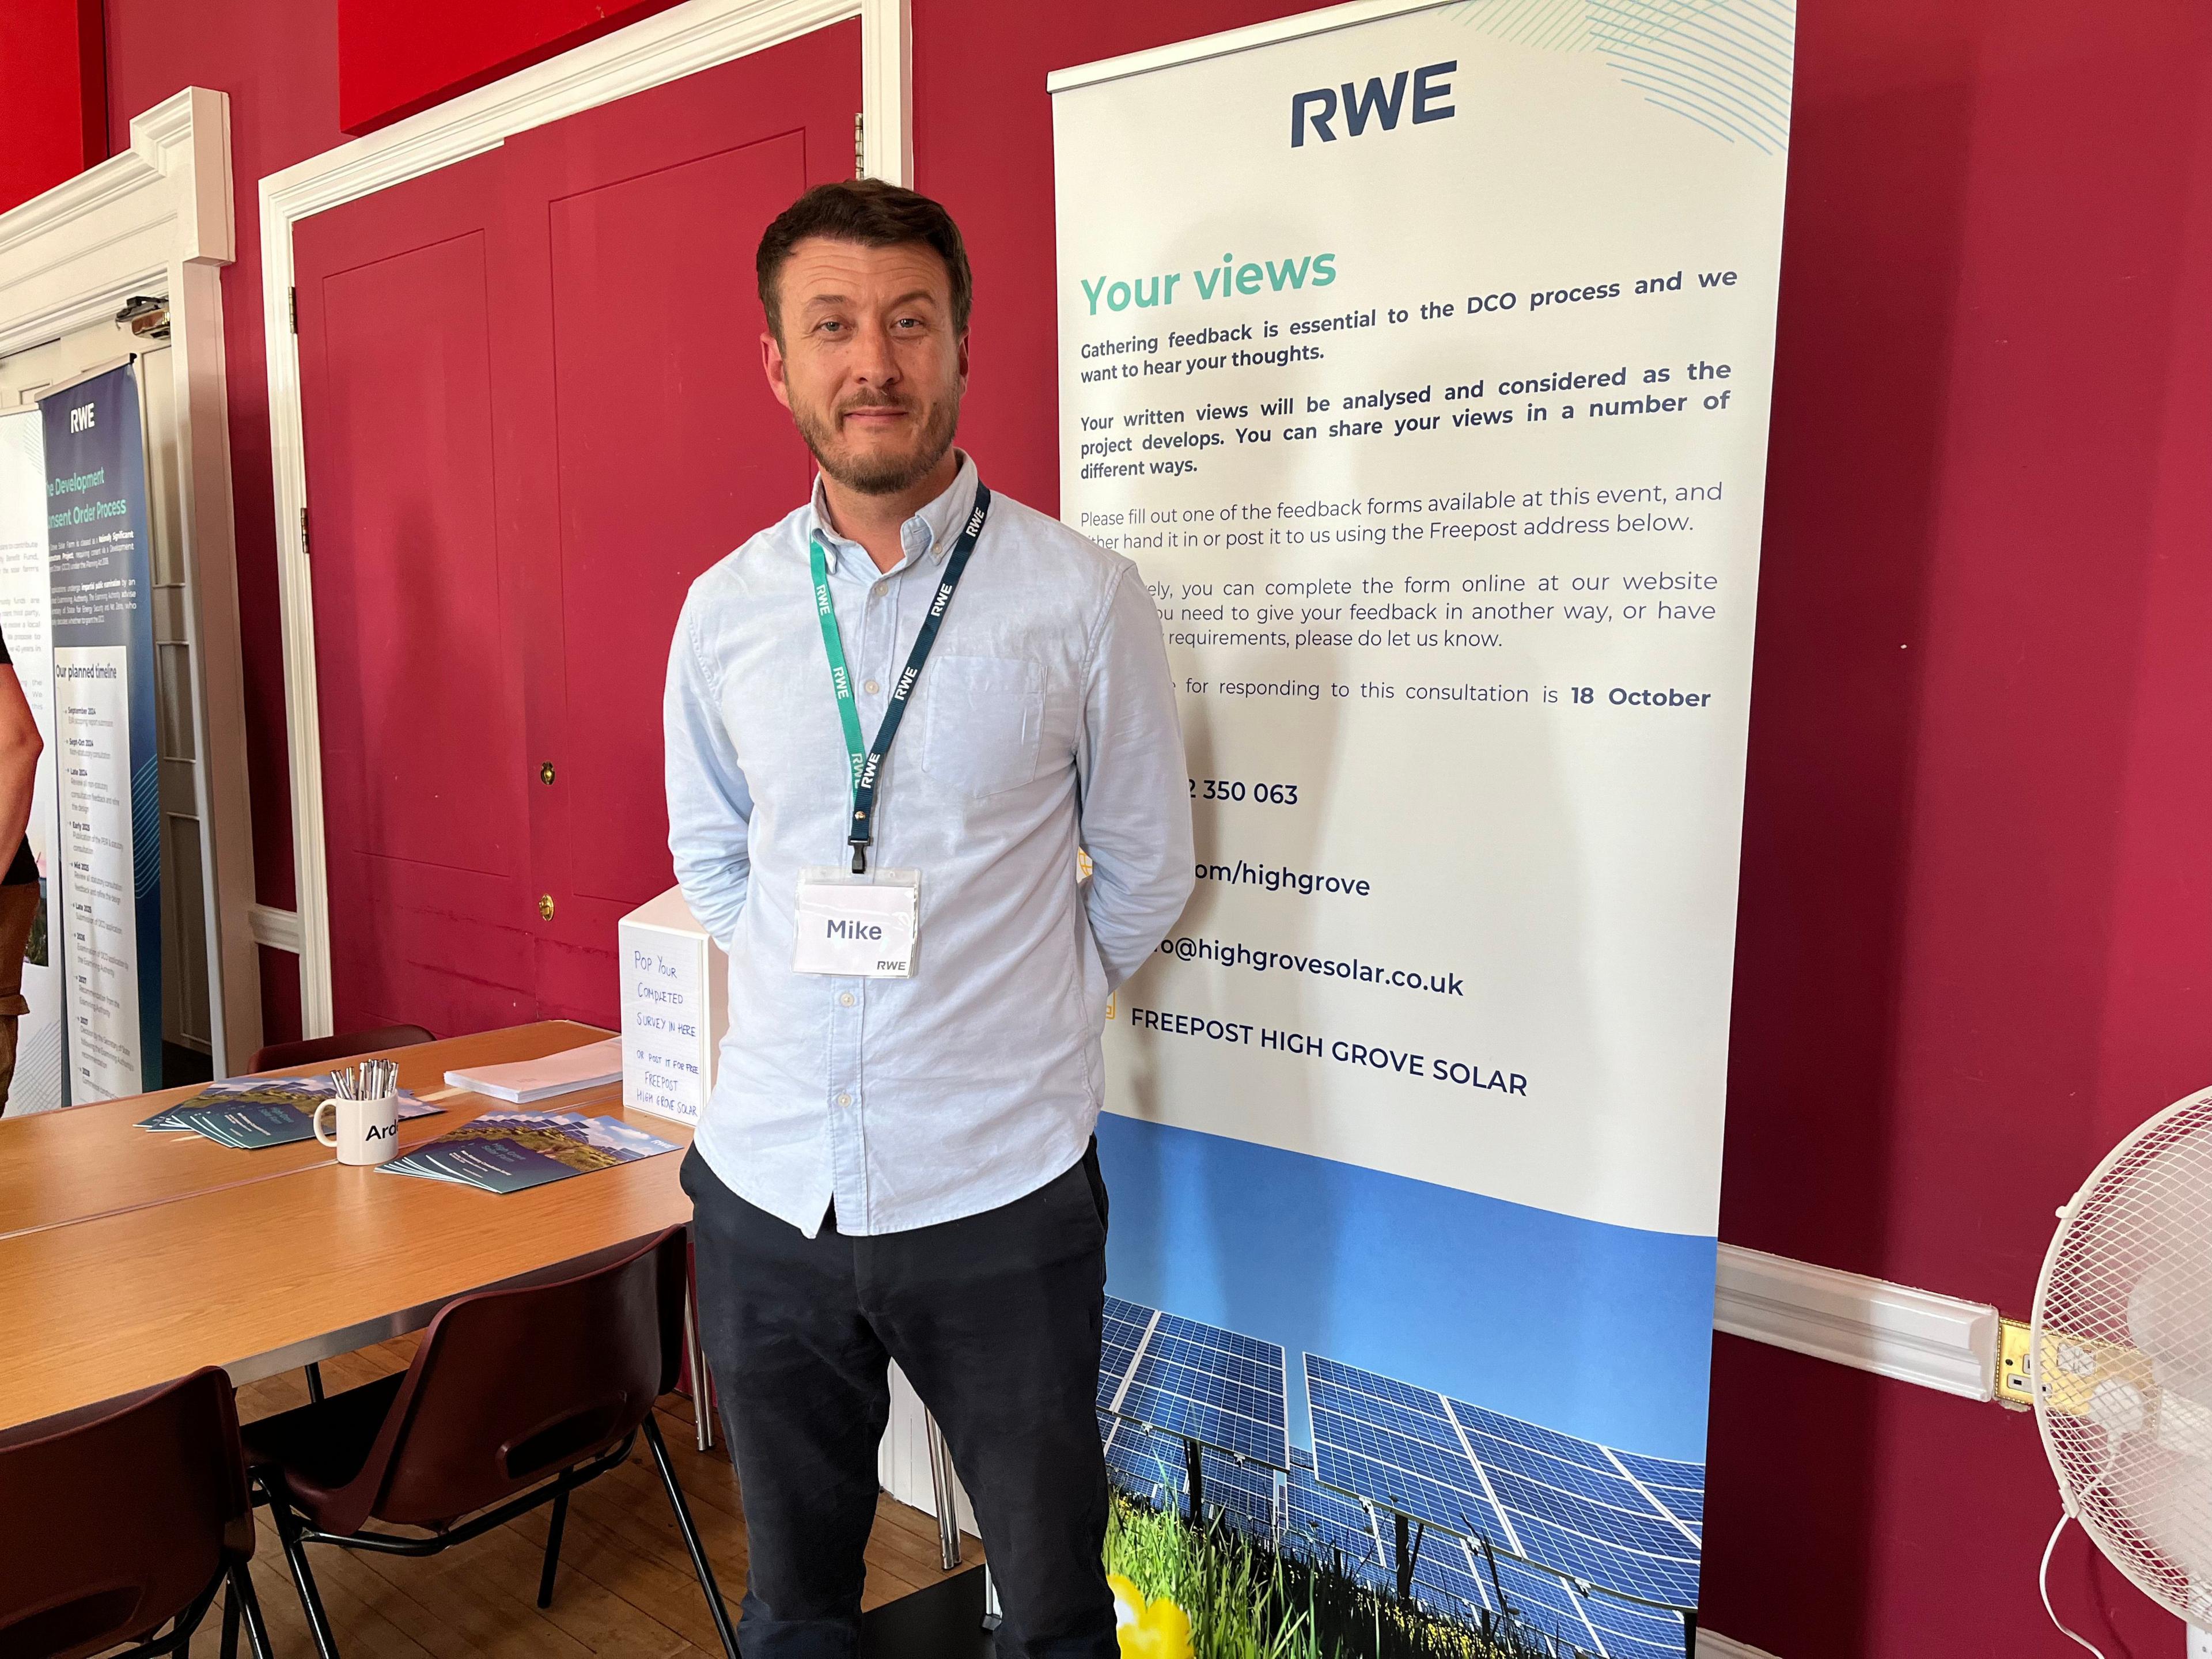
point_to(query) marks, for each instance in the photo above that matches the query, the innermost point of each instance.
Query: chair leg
(314, 1381)
(295, 1552)
(553, 1549)
(230, 1617)
(691, 1537)
(240, 1597)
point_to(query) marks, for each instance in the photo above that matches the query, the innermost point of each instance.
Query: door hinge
(303, 530)
(295, 310)
(859, 146)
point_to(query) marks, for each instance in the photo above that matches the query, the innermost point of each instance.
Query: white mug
(367, 1130)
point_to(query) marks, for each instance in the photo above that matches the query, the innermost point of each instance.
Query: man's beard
(879, 475)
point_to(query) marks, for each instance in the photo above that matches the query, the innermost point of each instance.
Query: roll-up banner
(102, 600)
(1420, 358)
(41, 1081)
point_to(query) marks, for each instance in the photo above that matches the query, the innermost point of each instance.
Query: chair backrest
(115, 1518)
(511, 1385)
(310, 1051)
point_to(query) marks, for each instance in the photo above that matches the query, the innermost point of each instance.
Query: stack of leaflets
(252, 1113)
(510, 1151)
(522, 1081)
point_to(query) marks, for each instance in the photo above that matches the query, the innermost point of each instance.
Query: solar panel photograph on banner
(1565, 1539)
(1419, 358)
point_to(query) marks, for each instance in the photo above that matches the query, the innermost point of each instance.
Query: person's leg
(19, 909)
(805, 1397)
(995, 1320)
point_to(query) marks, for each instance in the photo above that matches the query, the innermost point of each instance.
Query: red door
(534, 414)
(417, 611)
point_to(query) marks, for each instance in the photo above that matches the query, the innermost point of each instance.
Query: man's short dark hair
(875, 215)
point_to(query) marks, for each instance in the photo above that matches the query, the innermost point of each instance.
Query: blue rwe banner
(106, 761)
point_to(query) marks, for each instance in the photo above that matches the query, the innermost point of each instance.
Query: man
(896, 1162)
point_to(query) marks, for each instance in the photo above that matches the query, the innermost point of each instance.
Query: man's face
(869, 365)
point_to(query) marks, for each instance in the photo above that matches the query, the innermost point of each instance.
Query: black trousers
(995, 1320)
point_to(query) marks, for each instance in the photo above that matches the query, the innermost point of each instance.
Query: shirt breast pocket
(984, 722)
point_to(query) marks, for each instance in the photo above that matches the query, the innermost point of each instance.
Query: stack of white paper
(591, 1066)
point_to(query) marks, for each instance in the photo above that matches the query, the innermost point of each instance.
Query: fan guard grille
(2121, 1355)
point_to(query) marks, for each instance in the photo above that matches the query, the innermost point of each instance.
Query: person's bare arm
(20, 748)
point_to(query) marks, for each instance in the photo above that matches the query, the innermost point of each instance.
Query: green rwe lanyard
(868, 762)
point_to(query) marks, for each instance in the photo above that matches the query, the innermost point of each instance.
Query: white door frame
(692, 37)
(157, 219)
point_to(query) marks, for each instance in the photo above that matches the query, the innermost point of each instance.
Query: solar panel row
(1125, 1330)
(1217, 1387)
(1630, 1632)
(1572, 1504)
(1152, 1466)
(1328, 1526)
(1453, 1575)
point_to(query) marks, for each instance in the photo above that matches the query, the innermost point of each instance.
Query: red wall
(54, 95)
(1976, 937)
(395, 56)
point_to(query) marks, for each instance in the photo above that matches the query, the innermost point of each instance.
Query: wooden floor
(626, 1587)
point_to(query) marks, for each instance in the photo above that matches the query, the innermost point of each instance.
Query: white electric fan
(2120, 1353)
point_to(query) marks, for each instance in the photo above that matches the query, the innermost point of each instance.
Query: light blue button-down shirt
(1045, 716)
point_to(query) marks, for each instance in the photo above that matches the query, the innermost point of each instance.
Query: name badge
(857, 927)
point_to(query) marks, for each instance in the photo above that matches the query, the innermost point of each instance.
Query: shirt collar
(930, 531)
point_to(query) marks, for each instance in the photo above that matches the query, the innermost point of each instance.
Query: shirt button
(883, 587)
(870, 687)
(844, 1100)
(844, 999)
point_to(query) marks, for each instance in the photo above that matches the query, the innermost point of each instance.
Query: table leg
(941, 1484)
(703, 1385)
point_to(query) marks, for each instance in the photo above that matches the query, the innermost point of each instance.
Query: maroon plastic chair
(516, 1398)
(118, 1519)
(313, 1051)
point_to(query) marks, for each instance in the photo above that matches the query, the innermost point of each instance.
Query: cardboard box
(675, 1008)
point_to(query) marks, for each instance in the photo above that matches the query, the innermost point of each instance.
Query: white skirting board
(1710, 1646)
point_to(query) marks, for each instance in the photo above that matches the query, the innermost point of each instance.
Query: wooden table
(87, 1161)
(259, 1273)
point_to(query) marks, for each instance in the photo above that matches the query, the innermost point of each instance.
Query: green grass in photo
(1248, 1600)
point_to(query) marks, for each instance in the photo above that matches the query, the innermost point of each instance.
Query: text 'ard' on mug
(367, 1130)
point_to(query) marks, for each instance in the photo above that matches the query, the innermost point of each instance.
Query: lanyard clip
(860, 858)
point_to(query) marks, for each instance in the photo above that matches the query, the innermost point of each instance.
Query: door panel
(629, 266)
(426, 830)
(534, 414)
(665, 448)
